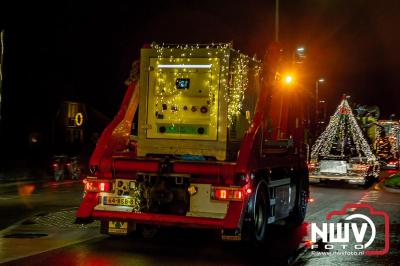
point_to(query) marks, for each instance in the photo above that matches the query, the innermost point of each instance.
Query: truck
(387, 144)
(342, 152)
(189, 148)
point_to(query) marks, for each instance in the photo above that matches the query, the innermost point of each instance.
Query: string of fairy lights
(342, 122)
(233, 78)
(238, 86)
(392, 139)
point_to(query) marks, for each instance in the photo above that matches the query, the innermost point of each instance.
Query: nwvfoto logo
(335, 233)
(340, 232)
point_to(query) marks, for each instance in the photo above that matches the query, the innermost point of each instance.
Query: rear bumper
(347, 178)
(232, 220)
(161, 219)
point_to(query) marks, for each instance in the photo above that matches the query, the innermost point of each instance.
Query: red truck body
(262, 182)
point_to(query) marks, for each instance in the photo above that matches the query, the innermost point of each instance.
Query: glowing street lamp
(288, 79)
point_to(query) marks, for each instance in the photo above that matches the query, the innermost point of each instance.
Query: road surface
(49, 237)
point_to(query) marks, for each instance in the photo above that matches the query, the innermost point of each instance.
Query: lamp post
(1, 64)
(317, 82)
(287, 81)
(276, 20)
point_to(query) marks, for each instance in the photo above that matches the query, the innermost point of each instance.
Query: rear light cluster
(227, 193)
(360, 167)
(393, 162)
(311, 166)
(97, 186)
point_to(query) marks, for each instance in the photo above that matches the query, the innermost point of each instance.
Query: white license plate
(331, 166)
(116, 227)
(119, 201)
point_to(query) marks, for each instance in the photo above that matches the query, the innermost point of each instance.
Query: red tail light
(227, 193)
(220, 193)
(97, 186)
(311, 166)
(393, 162)
(55, 165)
(104, 186)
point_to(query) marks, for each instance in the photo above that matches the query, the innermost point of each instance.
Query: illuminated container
(196, 100)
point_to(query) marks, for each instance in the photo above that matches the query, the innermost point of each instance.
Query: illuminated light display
(239, 84)
(342, 126)
(202, 94)
(78, 119)
(236, 73)
(386, 142)
(208, 66)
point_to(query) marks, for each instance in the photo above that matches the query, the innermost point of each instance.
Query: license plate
(335, 167)
(117, 227)
(120, 201)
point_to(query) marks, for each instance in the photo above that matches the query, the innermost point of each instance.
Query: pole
(316, 100)
(280, 118)
(1, 65)
(316, 108)
(276, 20)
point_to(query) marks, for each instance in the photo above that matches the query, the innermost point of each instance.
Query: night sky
(82, 50)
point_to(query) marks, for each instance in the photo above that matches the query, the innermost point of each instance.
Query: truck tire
(297, 215)
(260, 213)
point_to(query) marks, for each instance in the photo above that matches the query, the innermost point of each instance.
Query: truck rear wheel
(260, 213)
(297, 215)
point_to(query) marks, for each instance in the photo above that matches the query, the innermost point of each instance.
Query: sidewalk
(388, 188)
(10, 178)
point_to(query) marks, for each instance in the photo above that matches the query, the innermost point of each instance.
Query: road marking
(9, 198)
(388, 203)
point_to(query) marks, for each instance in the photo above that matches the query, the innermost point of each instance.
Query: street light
(317, 82)
(288, 79)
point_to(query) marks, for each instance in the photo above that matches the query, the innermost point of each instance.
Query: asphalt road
(22, 199)
(72, 245)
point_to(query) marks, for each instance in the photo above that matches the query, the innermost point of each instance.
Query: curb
(388, 189)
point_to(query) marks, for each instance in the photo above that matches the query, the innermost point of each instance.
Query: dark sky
(82, 50)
